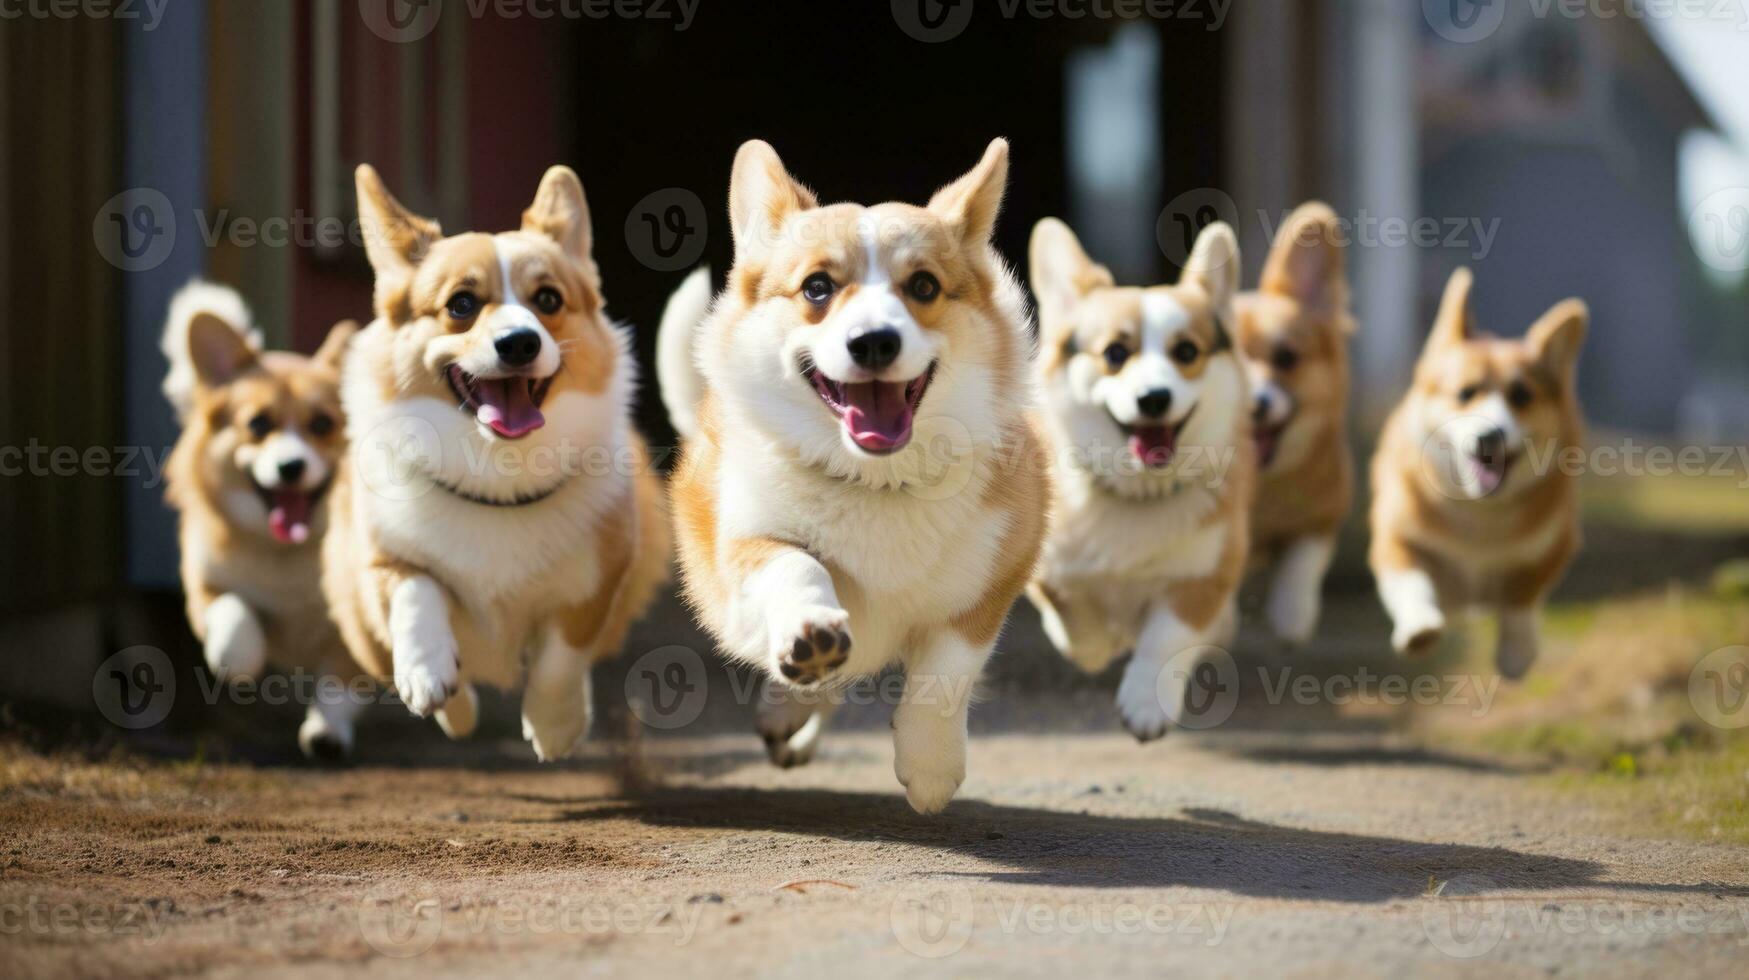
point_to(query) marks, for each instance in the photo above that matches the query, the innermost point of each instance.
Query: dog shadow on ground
(1198, 848)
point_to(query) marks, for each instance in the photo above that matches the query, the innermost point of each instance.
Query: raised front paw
(236, 645)
(814, 644)
(1139, 702)
(426, 678)
(1417, 632)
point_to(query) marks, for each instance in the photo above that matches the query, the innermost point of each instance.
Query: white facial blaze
(1149, 369)
(1276, 404)
(284, 447)
(510, 314)
(875, 305)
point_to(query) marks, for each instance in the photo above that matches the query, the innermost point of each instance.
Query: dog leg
(1416, 620)
(460, 713)
(326, 736)
(790, 721)
(1294, 592)
(1151, 695)
(556, 702)
(1518, 644)
(423, 645)
(1076, 631)
(929, 724)
(236, 645)
(790, 613)
(1226, 628)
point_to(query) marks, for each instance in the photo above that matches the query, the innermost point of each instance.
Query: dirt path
(1223, 854)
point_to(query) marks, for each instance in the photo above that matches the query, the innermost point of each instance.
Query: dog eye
(463, 306)
(548, 300)
(1185, 352)
(818, 288)
(1284, 359)
(1519, 394)
(321, 424)
(923, 287)
(1116, 355)
(1469, 393)
(260, 425)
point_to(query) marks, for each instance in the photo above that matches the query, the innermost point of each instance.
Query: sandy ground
(1303, 840)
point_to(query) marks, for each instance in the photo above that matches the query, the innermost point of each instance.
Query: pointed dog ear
(395, 239)
(1556, 339)
(561, 212)
(1060, 268)
(1214, 265)
(333, 349)
(1453, 325)
(970, 204)
(762, 196)
(218, 351)
(1307, 263)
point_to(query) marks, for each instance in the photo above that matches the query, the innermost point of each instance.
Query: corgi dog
(860, 483)
(498, 520)
(1461, 515)
(1149, 420)
(1293, 333)
(261, 440)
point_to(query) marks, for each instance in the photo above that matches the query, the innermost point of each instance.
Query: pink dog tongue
(1154, 445)
(1488, 475)
(505, 405)
(290, 518)
(878, 416)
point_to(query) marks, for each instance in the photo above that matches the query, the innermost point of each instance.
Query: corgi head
(1293, 333)
(262, 430)
(1136, 375)
(1479, 402)
(845, 331)
(496, 344)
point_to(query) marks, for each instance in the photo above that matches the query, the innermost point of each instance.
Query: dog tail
(193, 301)
(676, 357)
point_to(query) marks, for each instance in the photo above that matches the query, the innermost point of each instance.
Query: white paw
(788, 743)
(1293, 615)
(1139, 703)
(1417, 630)
(809, 643)
(460, 714)
(929, 793)
(929, 756)
(236, 646)
(554, 738)
(324, 740)
(426, 678)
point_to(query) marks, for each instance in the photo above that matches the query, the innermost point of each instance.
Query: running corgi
(1467, 509)
(261, 440)
(498, 520)
(1293, 332)
(1149, 418)
(861, 484)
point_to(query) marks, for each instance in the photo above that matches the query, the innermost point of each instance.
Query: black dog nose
(291, 470)
(874, 349)
(517, 347)
(1491, 445)
(1261, 411)
(1155, 403)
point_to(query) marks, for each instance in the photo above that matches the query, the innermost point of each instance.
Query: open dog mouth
(508, 406)
(289, 510)
(1156, 444)
(877, 414)
(1268, 440)
(1489, 468)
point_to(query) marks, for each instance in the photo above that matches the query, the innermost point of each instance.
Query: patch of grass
(1708, 504)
